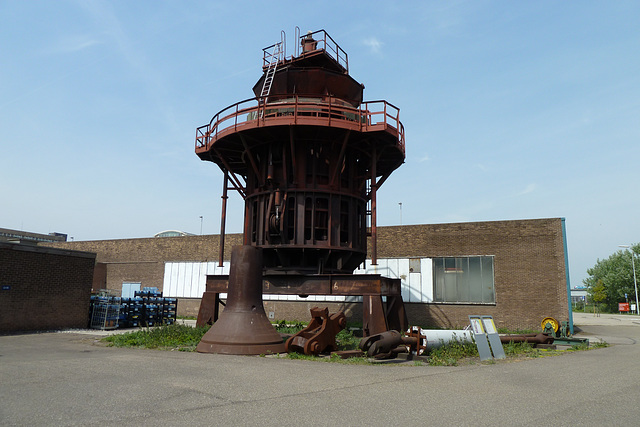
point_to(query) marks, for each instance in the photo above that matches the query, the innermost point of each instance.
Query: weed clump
(168, 337)
(451, 353)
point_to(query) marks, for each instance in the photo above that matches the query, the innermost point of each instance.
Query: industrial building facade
(44, 288)
(515, 271)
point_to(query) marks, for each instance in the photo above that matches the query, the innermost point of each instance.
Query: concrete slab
(68, 379)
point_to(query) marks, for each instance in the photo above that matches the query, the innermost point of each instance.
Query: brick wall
(44, 288)
(142, 260)
(530, 279)
(529, 265)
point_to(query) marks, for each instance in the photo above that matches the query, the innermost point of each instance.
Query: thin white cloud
(529, 189)
(424, 158)
(73, 43)
(374, 45)
(106, 18)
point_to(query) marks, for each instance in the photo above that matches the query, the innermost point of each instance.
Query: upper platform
(312, 92)
(377, 121)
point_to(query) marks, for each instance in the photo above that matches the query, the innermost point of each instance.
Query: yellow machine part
(554, 323)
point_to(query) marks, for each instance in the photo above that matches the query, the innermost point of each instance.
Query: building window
(463, 279)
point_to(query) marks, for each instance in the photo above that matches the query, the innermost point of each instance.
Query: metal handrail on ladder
(271, 71)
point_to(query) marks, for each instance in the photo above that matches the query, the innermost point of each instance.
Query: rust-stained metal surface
(243, 327)
(209, 310)
(317, 284)
(383, 345)
(388, 344)
(378, 315)
(529, 338)
(320, 335)
(308, 156)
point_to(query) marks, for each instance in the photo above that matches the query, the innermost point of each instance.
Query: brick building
(515, 271)
(44, 288)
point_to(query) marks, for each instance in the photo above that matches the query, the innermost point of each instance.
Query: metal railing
(298, 109)
(322, 40)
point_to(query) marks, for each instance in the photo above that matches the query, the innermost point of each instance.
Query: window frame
(464, 280)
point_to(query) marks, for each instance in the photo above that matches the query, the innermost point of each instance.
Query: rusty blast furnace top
(307, 155)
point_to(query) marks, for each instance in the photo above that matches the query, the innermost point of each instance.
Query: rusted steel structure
(378, 315)
(244, 327)
(320, 335)
(308, 156)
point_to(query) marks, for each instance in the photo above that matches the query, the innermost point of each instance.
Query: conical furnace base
(243, 326)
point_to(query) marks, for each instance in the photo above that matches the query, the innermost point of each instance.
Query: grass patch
(456, 353)
(284, 327)
(178, 337)
(329, 359)
(169, 337)
(452, 353)
(599, 344)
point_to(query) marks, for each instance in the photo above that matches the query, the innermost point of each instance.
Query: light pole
(635, 283)
(400, 204)
(201, 225)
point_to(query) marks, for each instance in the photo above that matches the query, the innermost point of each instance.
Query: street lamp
(201, 225)
(635, 283)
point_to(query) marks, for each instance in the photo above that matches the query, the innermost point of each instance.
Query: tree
(598, 294)
(615, 275)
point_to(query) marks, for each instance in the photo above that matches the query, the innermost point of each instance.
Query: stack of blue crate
(130, 312)
(169, 308)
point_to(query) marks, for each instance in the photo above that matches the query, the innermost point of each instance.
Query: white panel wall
(426, 268)
(416, 287)
(188, 280)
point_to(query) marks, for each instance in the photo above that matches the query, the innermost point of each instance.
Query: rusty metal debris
(540, 338)
(378, 315)
(389, 344)
(320, 335)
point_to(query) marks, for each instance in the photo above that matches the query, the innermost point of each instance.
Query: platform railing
(298, 109)
(323, 42)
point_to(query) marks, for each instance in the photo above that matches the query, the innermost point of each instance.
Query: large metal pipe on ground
(439, 337)
(417, 340)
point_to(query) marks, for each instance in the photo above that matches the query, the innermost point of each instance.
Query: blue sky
(512, 110)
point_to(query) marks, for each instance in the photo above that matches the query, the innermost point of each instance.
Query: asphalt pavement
(70, 379)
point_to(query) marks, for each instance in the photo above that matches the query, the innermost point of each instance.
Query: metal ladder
(271, 71)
